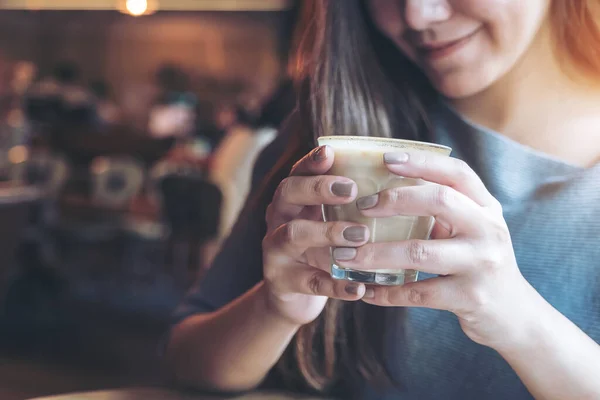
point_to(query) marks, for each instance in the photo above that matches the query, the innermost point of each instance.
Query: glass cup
(360, 158)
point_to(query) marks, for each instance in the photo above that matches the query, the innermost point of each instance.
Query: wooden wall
(223, 51)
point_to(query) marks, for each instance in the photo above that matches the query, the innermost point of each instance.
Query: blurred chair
(43, 103)
(46, 171)
(191, 205)
(115, 180)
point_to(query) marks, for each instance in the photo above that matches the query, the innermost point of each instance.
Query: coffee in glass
(360, 158)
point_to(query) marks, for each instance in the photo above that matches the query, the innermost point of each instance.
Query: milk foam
(378, 144)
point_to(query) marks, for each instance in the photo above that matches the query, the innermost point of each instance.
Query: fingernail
(364, 203)
(369, 293)
(319, 154)
(342, 189)
(344, 254)
(355, 233)
(395, 158)
(352, 289)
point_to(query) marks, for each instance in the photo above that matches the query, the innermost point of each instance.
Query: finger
(438, 293)
(447, 171)
(319, 257)
(439, 232)
(452, 209)
(296, 192)
(276, 218)
(295, 237)
(313, 213)
(311, 281)
(317, 162)
(442, 257)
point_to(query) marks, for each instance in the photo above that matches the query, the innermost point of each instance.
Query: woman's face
(463, 46)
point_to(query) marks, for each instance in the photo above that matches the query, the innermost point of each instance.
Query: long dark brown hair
(351, 80)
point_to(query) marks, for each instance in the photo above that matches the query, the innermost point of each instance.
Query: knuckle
(315, 283)
(269, 273)
(317, 185)
(490, 261)
(392, 196)
(499, 232)
(443, 196)
(462, 169)
(292, 232)
(417, 253)
(478, 299)
(418, 297)
(283, 189)
(331, 232)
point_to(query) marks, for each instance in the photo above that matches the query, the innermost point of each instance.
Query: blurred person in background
(276, 109)
(510, 303)
(248, 130)
(231, 168)
(224, 116)
(107, 110)
(75, 95)
(18, 131)
(61, 97)
(175, 107)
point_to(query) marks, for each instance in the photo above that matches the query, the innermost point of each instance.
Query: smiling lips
(435, 51)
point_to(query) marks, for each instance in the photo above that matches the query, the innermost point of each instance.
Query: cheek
(387, 15)
(507, 37)
(508, 22)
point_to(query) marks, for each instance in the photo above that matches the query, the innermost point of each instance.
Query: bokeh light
(136, 7)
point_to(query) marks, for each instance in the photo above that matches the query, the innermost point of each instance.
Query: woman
(514, 255)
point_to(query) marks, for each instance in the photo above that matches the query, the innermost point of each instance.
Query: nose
(421, 14)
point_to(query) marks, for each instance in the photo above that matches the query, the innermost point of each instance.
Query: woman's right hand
(296, 249)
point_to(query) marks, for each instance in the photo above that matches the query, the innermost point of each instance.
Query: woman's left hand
(471, 250)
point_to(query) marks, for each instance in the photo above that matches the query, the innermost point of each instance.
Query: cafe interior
(128, 130)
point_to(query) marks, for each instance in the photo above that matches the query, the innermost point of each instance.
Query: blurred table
(163, 394)
(11, 193)
(15, 212)
(82, 144)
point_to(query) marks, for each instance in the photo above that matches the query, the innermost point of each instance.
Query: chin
(461, 84)
(454, 90)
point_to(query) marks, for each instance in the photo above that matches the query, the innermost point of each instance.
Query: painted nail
(355, 234)
(342, 189)
(369, 293)
(364, 203)
(344, 253)
(395, 158)
(352, 289)
(319, 154)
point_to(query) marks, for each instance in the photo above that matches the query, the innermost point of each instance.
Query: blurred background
(128, 131)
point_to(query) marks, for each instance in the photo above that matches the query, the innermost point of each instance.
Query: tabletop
(15, 194)
(165, 394)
